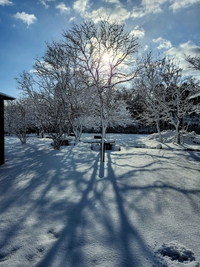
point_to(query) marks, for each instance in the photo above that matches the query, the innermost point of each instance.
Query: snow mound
(159, 146)
(169, 137)
(176, 252)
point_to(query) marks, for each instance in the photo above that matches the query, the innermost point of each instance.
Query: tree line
(93, 77)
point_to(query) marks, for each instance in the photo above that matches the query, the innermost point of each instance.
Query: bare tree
(180, 105)
(58, 90)
(49, 105)
(195, 65)
(105, 53)
(164, 93)
(19, 118)
(149, 92)
(194, 62)
(73, 81)
(179, 89)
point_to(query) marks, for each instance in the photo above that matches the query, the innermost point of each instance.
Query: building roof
(195, 96)
(6, 97)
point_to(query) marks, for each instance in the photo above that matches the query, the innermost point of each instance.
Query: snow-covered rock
(159, 146)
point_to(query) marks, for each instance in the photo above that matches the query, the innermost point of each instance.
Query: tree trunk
(78, 132)
(56, 143)
(177, 134)
(57, 139)
(159, 132)
(103, 135)
(22, 137)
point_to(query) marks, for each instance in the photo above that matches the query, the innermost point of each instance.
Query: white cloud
(163, 43)
(44, 2)
(63, 8)
(179, 4)
(148, 6)
(156, 6)
(26, 18)
(138, 32)
(183, 50)
(138, 12)
(81, 5)
(5, 2)
(120, 13)
(112, 1)
(72, 19)
(116, 13)
(153, 6)
(188, 48)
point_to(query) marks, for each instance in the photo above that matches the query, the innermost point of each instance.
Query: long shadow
(69, 238)
(193, 155)
(122, 188)
(92, 203)
(129, 238)
(32, 198)
(160, 185)
(19, 198)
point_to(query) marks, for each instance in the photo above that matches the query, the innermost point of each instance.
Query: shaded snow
(65, 208)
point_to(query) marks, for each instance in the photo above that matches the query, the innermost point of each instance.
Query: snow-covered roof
(6, 97)
(195, 96)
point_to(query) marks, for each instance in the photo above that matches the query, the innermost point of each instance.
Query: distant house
(2, 98)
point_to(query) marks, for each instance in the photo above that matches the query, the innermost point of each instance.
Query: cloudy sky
(165, 26)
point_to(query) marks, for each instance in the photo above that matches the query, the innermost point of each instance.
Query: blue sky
(165, 26)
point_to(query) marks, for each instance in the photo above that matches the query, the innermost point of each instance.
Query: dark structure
(195, 98)
(2, 98)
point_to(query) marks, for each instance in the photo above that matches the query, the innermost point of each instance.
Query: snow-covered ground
(140, 208)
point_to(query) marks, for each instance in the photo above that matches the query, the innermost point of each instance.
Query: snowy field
(140, 208)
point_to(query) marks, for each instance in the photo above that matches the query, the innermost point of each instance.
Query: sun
(106, 58)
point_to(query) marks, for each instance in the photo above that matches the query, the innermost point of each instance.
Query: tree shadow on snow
(84, 212)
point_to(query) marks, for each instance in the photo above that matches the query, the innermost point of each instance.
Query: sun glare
(106, 57)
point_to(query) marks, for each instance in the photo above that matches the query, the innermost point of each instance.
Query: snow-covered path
(65, 208)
